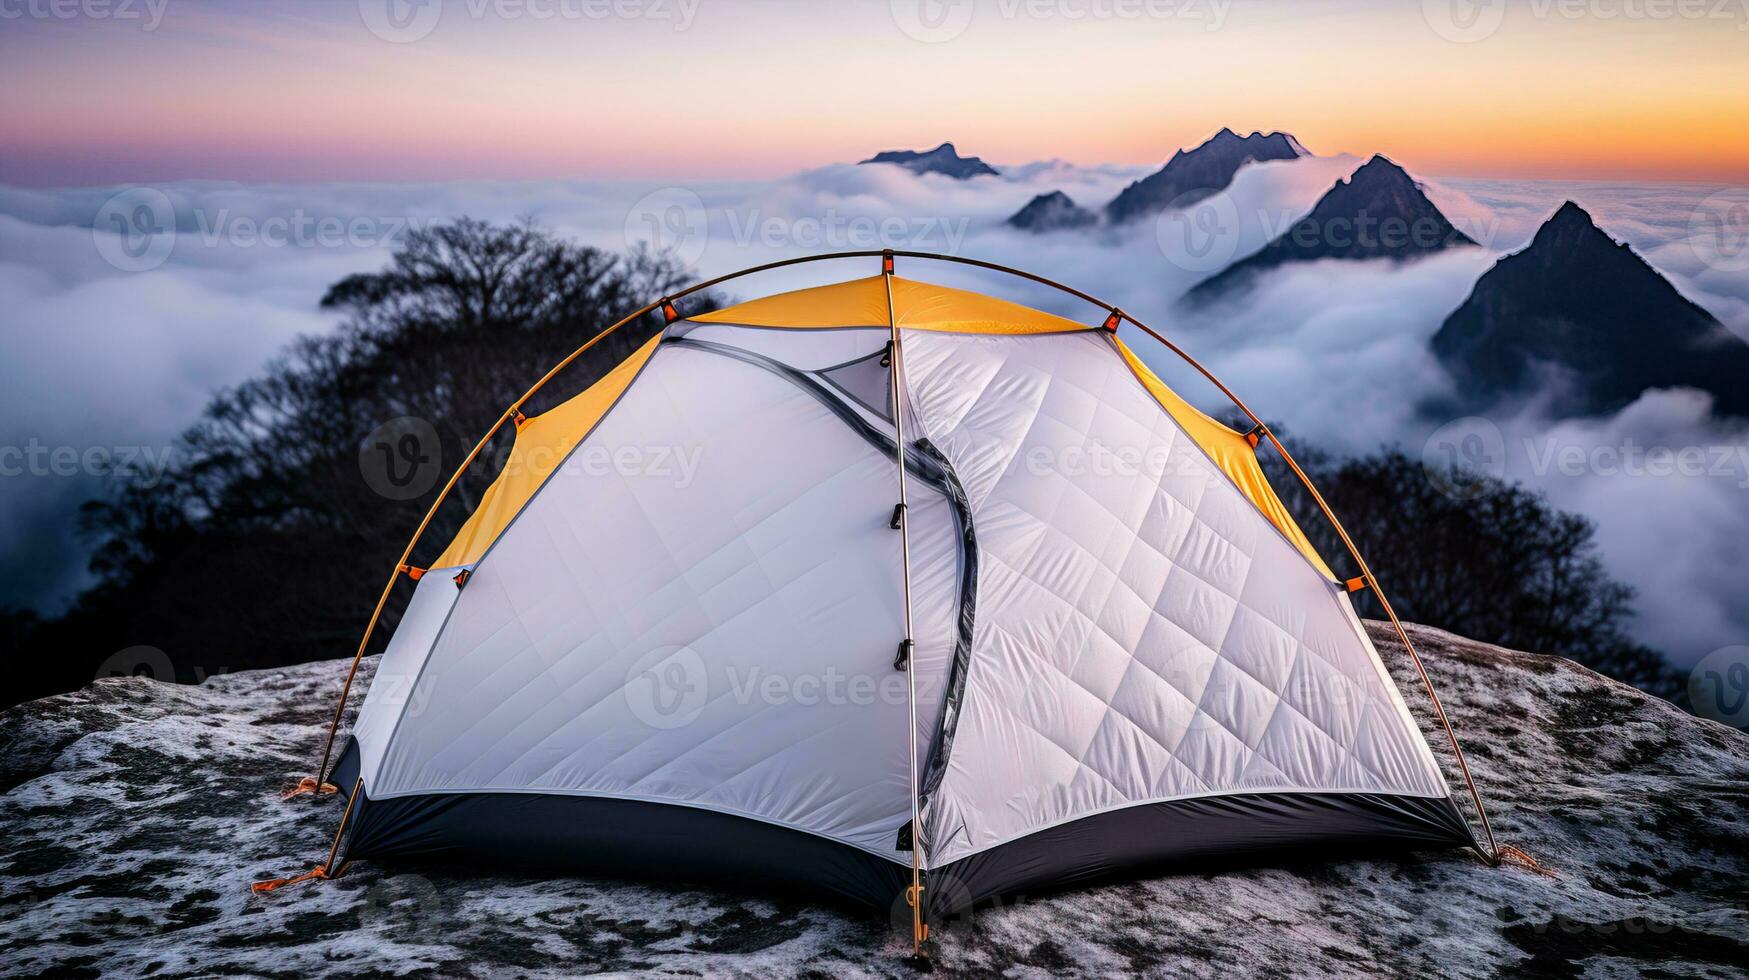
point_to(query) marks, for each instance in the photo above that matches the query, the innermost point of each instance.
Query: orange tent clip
(308, 784)
(320, 871)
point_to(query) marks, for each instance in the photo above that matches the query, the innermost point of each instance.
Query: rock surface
(136, 813)
(1579, 303)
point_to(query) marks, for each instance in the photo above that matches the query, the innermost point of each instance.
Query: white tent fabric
(1143, 633)
(701, 607)
(698, 639)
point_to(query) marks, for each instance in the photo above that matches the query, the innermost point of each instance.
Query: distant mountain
(1205, 170)
(1379, 212)
(1578, 300)
(1050, 212)
(941, 160)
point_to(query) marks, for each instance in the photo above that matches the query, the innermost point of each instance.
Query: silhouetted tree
(269, 538)
(1476, 555)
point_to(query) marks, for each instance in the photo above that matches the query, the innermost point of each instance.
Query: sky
(111, 91)
(275, 148)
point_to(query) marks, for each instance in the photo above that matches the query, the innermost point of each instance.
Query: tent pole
(896, 364)
(316, 784)
(1492, 855)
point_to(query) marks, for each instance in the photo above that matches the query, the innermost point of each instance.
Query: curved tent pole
(901, 520)
(1492, 856)
(318, 784)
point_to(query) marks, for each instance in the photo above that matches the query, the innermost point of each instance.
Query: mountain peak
(1050, 212)
(1580, 303)
(1377, 212)
(1571, 221)
(944, 160)
(1193, 174)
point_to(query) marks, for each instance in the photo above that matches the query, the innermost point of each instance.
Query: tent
(703, 624)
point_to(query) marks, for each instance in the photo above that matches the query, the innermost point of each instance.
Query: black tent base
(553, 834)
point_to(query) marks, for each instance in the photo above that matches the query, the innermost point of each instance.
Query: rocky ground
(135, 815)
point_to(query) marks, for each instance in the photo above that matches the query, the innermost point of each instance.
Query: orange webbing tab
(272, 884)
(519, 420)
(669, 313)
(1113, 320)
(461, 577)
(1255, 436)
(308, 785)
(1507, 854)
(1356, 584)
(887, 262)
(413, 573)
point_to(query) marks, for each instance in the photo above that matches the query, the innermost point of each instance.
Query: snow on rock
(135, 815)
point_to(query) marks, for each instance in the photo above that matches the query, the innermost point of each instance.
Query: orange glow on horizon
(766, 90)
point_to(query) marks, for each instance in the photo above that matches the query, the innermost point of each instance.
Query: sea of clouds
(125, 308)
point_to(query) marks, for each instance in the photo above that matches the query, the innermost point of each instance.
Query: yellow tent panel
(916, 306)
(1231, 453)
(542, 443)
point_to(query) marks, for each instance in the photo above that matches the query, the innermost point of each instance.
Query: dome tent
(703, 624)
